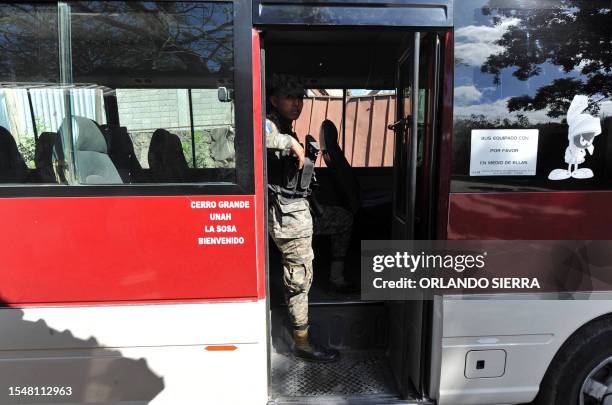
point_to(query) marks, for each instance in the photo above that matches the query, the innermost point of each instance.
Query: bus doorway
(364, 81)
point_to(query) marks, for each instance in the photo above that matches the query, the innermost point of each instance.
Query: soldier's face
(290, 107)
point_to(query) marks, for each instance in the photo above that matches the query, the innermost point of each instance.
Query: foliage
(149, 37)
(27, 148)
(575, 35)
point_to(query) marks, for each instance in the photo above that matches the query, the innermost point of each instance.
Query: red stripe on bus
(581, 215)
(118, 249)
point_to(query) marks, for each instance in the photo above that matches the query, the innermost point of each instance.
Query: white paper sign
(504, 152)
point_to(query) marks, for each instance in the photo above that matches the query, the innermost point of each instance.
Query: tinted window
(365, 139)
(28, 43)
(152, 42)
(520, 68)
(121, 92)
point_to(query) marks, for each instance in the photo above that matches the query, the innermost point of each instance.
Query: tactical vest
(284, 176)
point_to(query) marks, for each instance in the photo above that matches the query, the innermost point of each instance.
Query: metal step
(342, 326)
(346, 401)
(358, 377)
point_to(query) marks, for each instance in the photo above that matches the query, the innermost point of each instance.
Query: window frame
(243, 142)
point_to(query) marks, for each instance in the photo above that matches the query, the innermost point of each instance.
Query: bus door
(414, 173)
(414, 196)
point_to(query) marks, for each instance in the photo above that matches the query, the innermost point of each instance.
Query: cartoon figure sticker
(583, 128)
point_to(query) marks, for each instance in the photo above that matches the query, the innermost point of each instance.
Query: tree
(136, 37)
(575, 35)
(109, 38)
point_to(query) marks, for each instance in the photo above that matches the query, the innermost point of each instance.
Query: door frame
(346, 14)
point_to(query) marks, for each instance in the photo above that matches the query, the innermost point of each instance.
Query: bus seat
(93, 165)
(43, 157)
(12, 166)
(121, 152)
(341, 171)
(166, 158)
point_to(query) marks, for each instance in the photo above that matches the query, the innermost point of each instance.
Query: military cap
(286, 85)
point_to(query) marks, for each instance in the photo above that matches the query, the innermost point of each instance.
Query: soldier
(289, 220)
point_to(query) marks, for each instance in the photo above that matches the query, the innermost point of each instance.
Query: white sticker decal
(583, 128)
(504, 152)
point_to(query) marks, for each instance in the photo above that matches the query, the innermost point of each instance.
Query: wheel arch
(569, 340)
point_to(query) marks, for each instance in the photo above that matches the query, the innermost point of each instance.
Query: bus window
(28, 45)
(366, 140)
(130, 97)
(143, 111)
(513, 72)
(213, 123)
(166, 62)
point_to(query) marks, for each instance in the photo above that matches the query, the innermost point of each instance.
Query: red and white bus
(136, 266)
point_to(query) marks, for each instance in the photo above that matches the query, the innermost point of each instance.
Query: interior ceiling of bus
(341, 58)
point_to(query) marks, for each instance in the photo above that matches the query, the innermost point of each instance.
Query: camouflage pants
(290, 226)
(297, 277)
(338, 223)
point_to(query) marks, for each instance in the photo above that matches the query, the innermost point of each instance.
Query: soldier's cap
(281, 84)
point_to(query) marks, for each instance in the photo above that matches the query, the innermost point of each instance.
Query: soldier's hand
(298, 151)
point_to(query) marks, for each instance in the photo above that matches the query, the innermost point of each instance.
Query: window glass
(152, 42)
(519, 67)
(96, 92)
(213, 130)
(195, 116)
(366, 141)
(166, 62)
(28, 43)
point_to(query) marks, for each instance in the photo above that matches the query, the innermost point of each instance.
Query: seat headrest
(44, 149)
(159, 139)
(328, 136)
(87, 134)
(10, 157)
(121, 141)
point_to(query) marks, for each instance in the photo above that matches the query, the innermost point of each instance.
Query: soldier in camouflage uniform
(289, 220)
(338, 223)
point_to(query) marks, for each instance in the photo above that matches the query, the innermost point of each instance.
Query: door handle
(397, 124)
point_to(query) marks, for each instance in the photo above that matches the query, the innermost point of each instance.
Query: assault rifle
(308, 179)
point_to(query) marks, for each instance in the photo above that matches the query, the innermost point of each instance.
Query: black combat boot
(307, 350)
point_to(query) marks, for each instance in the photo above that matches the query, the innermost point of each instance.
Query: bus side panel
(538, 215)
(530, 331)
(207, 353)
(112, 249)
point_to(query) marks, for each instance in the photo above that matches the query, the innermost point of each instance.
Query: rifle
(308, 178)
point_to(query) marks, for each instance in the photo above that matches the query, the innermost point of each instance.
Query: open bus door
(310, 28)
(414, 196)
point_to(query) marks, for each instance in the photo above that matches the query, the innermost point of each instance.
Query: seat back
(121, 152)
(12, 166)
(92, 163)
(166, 158)
(341, 171)
(43, 157)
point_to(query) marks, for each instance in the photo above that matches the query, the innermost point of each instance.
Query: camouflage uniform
(290, 225)
(336, 222)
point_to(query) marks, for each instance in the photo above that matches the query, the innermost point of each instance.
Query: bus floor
(359, 332)
(358, 329)
(357, 374)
